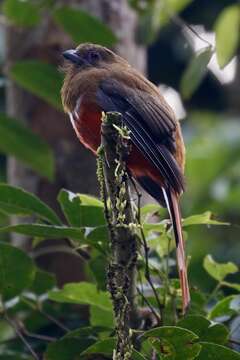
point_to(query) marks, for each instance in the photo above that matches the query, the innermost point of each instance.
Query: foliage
(24, 286)
(227, 41)
(17, 139)
(79, 24)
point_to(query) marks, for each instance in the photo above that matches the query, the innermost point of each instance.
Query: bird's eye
(94, 57)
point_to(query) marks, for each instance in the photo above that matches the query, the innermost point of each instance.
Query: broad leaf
(158, 227)
(46, 231)
(14, 200)
(90, 200)
(79, 25)
(202, 219)
(99, 238)
(39, 78)
(195, 72)
(70, 205)
(138, 356)
(67, 349)
(205, 329)
(231, 285)
(87, 332)
(227, 34)
(178, 343)
(17, 271)
(170, 7)
(43, 282)
(21, 142)
(148, 210)
(82, 293)
(21, 13)
(163, 244)
(211, 351)
(79, 214)
(216, 270)
(98, 267)
(100, 317)
(223, 308)
(105, 347)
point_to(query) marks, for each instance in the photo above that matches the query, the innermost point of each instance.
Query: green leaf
(79, 25)
(82, 293)
(14, 200)
(90, 200)
(211, 351)
(159, 227)
(170, 7)
(194, 73)
(78, 214)
(100, 317)
(43, 282)
(149, 210)
(105, 347)
(97, 266)
(21, 13)
(223, 308)
(202, 219)
(70, 204)
(138, 356)
(205, 329)
(98, 235)
(163, 244)
(179, 343)
(46, 231)
(67, 348)
(17, 271)
(231, 285)
(92, 332)
(227, 34)
(39, 78)
(21, 142)
(216, 270)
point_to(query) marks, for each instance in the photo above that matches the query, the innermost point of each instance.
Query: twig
(146, 252)
(27, 333)
(155, 314)
(19, 334)
(38, 307)
(54, 320)
(181, 23)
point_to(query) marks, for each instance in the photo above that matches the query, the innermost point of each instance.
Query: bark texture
(120, 217)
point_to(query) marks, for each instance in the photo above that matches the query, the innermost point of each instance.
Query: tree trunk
(75, 166)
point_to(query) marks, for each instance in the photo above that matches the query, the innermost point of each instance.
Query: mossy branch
(120, 218)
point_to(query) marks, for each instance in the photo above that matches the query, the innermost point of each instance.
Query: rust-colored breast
(87, 124)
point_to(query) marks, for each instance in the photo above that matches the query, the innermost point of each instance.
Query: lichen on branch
(113, 179)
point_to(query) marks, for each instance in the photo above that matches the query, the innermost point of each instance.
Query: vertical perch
(120, 218)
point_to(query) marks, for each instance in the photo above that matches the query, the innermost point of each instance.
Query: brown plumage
(99, 80)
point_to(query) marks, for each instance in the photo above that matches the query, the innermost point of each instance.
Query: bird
(98, 80)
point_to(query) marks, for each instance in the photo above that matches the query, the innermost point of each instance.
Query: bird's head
(89, 55)
(83, 67)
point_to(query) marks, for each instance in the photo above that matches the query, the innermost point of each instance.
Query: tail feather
(175, 215)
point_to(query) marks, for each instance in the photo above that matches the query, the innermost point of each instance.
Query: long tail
(171, 200)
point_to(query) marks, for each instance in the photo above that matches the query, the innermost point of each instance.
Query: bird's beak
(73, 56)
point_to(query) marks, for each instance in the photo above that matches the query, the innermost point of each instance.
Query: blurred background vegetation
(39, 150)
(190, 49)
